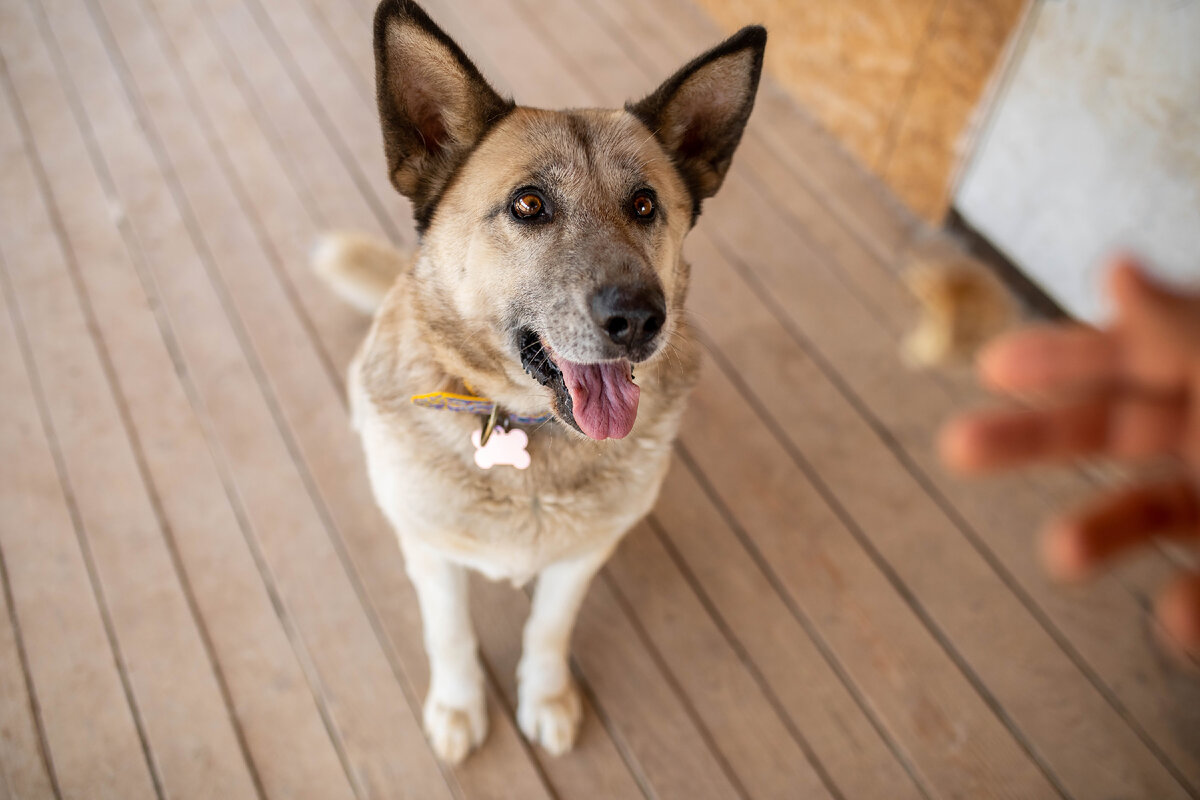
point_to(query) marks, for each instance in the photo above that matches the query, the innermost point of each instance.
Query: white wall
(1093, 142)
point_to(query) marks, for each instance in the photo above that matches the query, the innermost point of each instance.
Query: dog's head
(551, 257)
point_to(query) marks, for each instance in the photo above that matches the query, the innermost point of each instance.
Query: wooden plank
(497, 30)
(635, 693)
(72, 668)
(196, 749)
(305, 200)
(967, 603)
(366, 705)
(308, 398)
(856, 352)
(770, 758)
(23, 768)
(932, 709)
(267, 685)
(24, 771)
(914, 422)
(281, 39)
(792, 653)
(876, 283)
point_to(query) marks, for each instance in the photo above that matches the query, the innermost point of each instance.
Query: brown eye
(527, 206)
(643, 206)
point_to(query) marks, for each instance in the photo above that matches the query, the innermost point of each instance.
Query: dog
(527, 367)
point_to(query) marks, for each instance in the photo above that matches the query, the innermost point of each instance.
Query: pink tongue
(604, 399)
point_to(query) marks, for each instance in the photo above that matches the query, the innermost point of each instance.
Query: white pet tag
(503, 447)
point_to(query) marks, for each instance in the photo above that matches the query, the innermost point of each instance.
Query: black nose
(631, 316)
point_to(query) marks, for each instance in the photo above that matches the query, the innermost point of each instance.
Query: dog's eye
(643, 206)
(528, 206)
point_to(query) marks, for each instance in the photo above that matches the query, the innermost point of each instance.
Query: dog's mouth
(600, 400)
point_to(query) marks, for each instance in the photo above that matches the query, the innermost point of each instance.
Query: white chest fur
(508, 523)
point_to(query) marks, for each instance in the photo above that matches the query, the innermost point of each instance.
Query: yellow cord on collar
(471, 404)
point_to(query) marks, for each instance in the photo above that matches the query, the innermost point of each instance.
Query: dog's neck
(462, 359)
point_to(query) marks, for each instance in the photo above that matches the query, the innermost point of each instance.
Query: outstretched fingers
(1049, 361)
(1119, 423)
(1178, 610)
(1074, 545)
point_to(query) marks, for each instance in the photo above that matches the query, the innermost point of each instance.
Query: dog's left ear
(699, 113)
(434, 105)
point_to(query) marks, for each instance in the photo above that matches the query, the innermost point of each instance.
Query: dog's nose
(631, 316)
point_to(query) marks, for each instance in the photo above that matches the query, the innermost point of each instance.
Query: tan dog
(549, 270)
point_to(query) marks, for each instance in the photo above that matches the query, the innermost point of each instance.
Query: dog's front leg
(548, 708)
(455, 708)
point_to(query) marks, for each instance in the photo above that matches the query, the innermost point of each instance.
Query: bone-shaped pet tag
(503, 447)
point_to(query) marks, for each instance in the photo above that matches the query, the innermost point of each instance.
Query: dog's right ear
(434, 105)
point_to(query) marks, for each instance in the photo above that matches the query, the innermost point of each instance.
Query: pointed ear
(434, 105)
(699, 112)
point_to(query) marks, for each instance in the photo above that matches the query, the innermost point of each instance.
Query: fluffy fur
(485, 286)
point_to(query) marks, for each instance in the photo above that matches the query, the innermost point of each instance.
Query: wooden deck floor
(201, 600)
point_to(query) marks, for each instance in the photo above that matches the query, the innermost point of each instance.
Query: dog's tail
(358, 267)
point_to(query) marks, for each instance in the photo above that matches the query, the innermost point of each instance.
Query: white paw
(454, 732)
(551, 721)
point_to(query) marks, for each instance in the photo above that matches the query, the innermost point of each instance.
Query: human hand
(1130, 391)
